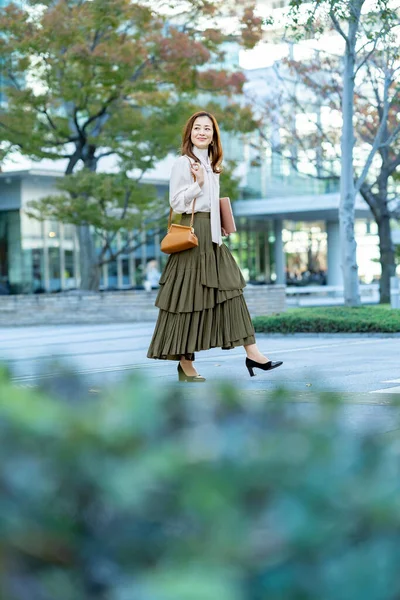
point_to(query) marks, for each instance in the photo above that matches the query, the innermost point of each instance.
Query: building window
(125, 272)
(112, 275)
(38, 274)
(69, 272)
(54, 269)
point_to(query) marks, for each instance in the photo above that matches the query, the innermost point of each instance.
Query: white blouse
(183, 189)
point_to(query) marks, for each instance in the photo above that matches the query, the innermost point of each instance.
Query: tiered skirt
(200, 300)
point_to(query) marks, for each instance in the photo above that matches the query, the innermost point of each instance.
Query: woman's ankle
(251, 350)
(255, 354)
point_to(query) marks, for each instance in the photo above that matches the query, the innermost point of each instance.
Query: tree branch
(392, 166)
(293, 98)
(101, 112)
(14, 80)
(367, 57)
(109, 153)
(375, 87)
(379, 134)
(135, 76)
(391, 138)
(128, 249)
(370, 199)
(338, 26)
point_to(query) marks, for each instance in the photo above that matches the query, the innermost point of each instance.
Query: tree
(109, 203)
(380, 190)
(91, 80)
(361, 32)
(307, 88)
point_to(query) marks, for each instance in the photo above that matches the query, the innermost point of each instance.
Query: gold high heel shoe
(183, 377)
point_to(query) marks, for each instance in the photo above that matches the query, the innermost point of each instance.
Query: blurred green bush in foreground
(183, 494)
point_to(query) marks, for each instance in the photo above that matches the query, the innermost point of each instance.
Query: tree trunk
(347, 188)
(88, 260)
(387, 257)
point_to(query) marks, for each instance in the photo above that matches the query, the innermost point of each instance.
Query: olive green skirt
(200, 300)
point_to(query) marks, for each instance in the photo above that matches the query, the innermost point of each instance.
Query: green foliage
(174, 493)
(111, 77)
(107, 201)
(89, 80)
(317, 16)
(337, 319)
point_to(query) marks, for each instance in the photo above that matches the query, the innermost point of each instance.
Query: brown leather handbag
(179, 237)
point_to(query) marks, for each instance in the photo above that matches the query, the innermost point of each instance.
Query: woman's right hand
(198, 172)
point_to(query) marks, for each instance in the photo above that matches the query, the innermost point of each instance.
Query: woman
(201, 290)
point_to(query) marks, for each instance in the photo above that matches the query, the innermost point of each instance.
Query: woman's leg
(187, 366)
(253, 352)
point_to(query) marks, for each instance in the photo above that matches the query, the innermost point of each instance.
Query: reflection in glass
(112, 275)
(4, 282)
(69, 231)
(38, 279)
(125, 271)
(54, 269)
(69, 274)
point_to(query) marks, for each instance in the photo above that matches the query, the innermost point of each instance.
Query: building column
(267, 272)
(77, 267)
(249, 248)
(335, 276)
(46, 266)
(120, 276)
(131, 261)
(279, 254)
(62, 258)
(257, 253)
(157, 251)
(143, 253)
(104, 270)
(240, 242)
(19, 262)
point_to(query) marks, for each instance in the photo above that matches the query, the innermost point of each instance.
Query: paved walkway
(366, 368)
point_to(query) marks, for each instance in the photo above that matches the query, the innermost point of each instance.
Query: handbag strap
(194, 202)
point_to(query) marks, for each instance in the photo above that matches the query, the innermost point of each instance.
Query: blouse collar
(201, 153)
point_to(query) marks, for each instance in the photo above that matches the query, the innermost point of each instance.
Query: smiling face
(202, 132)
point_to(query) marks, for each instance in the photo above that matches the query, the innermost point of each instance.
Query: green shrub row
(179, 493)
(337, 319)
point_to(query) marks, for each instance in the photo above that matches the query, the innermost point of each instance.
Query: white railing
(309, 295)
(395, 292)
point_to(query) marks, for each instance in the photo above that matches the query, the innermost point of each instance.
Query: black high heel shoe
(183, 377)
(251, 364)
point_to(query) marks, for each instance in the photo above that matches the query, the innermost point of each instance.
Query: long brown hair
(214, 150)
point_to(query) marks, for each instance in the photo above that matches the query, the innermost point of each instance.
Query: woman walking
(201, 289)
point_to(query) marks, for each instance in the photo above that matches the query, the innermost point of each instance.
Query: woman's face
(202, 132)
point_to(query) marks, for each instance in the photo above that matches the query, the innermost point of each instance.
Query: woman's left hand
(224, 232)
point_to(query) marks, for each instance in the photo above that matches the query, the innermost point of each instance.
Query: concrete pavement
(366, 368)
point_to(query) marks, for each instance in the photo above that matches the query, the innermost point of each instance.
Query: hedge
(193, 493)
(335, 319)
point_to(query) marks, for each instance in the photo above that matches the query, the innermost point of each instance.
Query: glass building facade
(40, 256)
